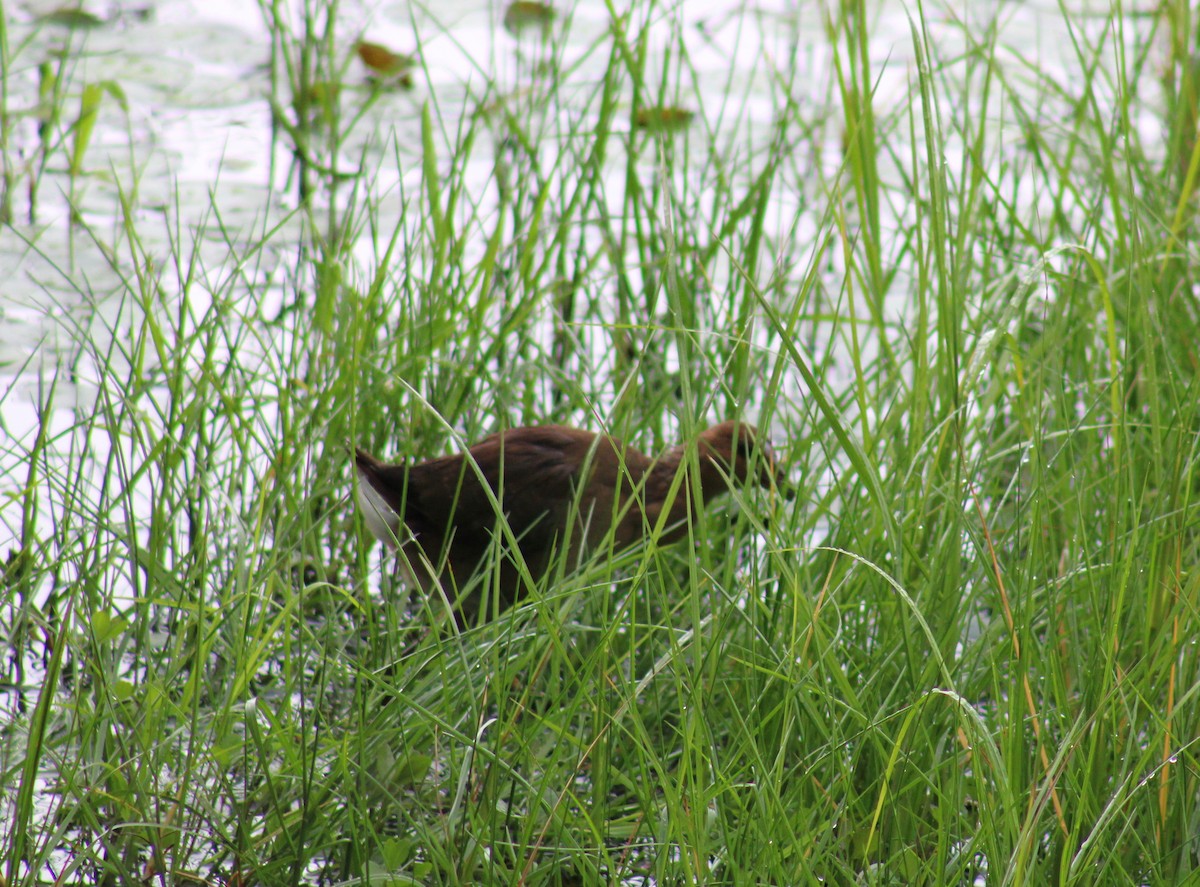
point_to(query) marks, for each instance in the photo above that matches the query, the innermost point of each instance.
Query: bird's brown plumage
(560, 489)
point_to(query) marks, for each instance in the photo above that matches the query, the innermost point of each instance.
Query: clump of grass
(966, 315)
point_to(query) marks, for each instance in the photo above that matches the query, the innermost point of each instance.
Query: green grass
(966, 650)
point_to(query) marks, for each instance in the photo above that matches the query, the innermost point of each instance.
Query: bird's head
(738, 450)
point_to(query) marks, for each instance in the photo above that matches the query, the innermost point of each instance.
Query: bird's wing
(558, 477)
(535, 473)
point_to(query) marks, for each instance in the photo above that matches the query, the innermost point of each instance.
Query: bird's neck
(663, 472)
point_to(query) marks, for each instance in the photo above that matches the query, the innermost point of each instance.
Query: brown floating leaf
(72, 17)
(522, 14)
(382, 60)
(663, 118)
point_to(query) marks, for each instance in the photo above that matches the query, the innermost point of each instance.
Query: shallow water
(196, 136)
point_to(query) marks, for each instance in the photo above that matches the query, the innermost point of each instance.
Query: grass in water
(955, 287)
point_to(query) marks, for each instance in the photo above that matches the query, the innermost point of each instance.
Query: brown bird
(561, 489)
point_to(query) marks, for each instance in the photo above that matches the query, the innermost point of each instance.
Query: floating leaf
(73, 18)
(382, 60)
(523, 14)
(663, 118)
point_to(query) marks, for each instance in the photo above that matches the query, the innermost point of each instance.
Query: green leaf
(412, 769)
(89, 111)
(106, 626)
